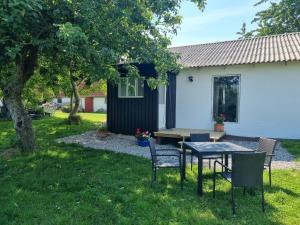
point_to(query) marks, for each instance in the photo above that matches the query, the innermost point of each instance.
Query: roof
(274, 48)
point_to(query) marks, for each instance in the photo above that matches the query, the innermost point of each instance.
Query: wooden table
(183, 133)
(201, 149)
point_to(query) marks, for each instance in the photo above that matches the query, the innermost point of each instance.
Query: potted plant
(142, 137)
(102, 130)
(219, 123)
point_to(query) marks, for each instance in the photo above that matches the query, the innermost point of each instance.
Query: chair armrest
(270, 155)
(217, 162)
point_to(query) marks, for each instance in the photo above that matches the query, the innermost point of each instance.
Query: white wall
(82, 103)
(99, 103)
(162, 107)
(269, 99)
(64, 100)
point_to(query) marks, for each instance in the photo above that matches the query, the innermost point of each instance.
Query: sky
(220, 21)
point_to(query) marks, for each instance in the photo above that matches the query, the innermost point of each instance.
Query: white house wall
(82, 103)
(269, 99)
(162, 107)
(99, 103)
(64, 100)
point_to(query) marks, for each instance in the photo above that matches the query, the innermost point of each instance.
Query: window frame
(136, 89)
(238, 97)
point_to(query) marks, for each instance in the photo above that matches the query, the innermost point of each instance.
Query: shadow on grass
(68, 184)
(111, 188)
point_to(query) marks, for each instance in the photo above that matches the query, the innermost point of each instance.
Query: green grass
(68, 184)
(293, 147)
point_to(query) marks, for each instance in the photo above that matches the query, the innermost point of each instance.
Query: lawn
(68, 184)
(293, 147)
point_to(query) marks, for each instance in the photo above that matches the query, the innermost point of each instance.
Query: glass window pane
(140, 87)
(131, 87)
(122, 87)
(226, 91)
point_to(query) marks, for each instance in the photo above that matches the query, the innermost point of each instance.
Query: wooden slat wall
(124, 115)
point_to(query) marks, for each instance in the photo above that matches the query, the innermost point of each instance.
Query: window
(226, 97)
(131, 88)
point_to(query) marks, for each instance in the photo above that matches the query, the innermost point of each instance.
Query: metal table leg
(226, 162)
(200, 175)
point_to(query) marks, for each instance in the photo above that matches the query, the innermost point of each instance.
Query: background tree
(280, 17)
(243, 32)
(32, 29)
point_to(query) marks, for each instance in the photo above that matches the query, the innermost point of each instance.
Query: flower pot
(143, 143)
(219, 127)
(102, 134)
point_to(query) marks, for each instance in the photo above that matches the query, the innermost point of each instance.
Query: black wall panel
(124, 115)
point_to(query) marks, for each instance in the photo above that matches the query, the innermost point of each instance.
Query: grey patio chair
(268, 146)
(164, 158)
(247, 172)
(203, 137)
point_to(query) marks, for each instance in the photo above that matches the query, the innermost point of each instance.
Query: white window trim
(135, 89)
(239, 97)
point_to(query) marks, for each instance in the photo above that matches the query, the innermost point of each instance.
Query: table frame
(231, 148)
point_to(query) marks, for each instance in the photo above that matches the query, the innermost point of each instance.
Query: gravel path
(127, 144)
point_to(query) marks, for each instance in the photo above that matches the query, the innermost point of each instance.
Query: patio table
(201, 149)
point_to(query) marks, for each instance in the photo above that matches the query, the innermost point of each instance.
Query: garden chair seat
(247, 172)
(165, 158)
(226, 175)
(169, 164)
(267, 145)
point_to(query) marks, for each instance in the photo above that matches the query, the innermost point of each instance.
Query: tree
(278, 18)
(243, 32)
(74, 53)
(31, 30)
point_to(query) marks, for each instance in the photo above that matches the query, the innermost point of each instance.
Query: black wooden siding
(124, 115)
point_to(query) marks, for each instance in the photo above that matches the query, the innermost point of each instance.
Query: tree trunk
(71, 102)
(76, 98)
(25, 66)
(21, 120)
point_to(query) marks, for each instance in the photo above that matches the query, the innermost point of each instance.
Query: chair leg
(181, 177)
(209, 164)
(222, 162)
(192, 162)
(152, 177)
(244, 191)
(270, 176)
(262, 198)
(214, 185)
(155, 174)
(232, 200)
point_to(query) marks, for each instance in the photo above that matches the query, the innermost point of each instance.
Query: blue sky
(220, 21)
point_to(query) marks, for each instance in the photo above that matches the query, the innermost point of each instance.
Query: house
(94, 102)
(253, 82)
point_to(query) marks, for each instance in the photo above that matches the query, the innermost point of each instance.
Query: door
(89, 104)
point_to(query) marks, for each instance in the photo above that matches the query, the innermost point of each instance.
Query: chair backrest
(268, 146)
(152, 150)
(204, 137)
(247, 169)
